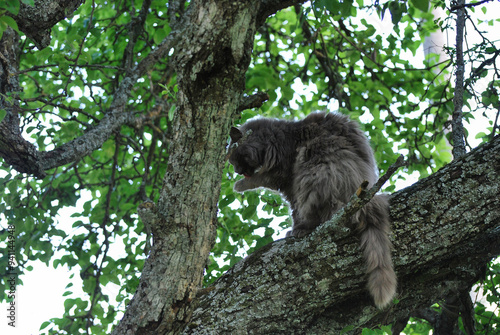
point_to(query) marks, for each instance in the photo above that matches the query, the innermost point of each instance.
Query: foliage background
(328, 55)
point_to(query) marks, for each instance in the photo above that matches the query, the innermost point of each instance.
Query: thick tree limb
(16, 151)
(33, 162)
(446, 227)
(37, 21)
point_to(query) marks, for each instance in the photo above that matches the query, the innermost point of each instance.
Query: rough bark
(216, 39)
(458, 96)
(446, 228)
(22, 155)
(37, 21)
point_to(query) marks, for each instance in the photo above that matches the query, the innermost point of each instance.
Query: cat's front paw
(298, 233)
(241, 186)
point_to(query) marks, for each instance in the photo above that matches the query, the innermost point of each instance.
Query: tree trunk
(446, 228)
(211, 59)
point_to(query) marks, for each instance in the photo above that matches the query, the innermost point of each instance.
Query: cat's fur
(317, 164)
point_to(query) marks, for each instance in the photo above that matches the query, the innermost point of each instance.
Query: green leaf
(12, 6)
(346, 329)
(171, 112)
(160, 34)
(8, 21)
(396, 10)
(226, 200)
(249, 212)
(422, 5)
(481, 134)
(44, 325)
(386, 329)
(3, 113)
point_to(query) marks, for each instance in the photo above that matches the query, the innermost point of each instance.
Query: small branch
(467, 312)
(495, 124)
(84, 145)
(385, 177)
(363, 196)
(269, 7)
(457, 126)
(253, 101)
(467, 5)
(149, 218)
(490, 61)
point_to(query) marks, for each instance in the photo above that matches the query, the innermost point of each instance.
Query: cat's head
(247, 158)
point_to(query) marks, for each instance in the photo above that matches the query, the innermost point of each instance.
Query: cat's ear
(235, 134)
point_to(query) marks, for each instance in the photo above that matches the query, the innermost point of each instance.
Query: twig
(495, 124)
(363, 196)
(466, 5)
(149, 217)
(253, 101)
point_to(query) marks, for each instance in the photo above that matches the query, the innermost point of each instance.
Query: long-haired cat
(317, 164)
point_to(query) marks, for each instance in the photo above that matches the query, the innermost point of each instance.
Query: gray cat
(317, 164)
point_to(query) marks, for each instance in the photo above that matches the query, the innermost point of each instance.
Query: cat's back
(333, 125)
(336, 132)
(325, 124)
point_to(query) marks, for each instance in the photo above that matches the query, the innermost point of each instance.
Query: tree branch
(14, 149)
(116, 116)
(363, 196)
(440, 226)
(269, 7)
(467, 5)
(37, 21)
(253, 101)
(113, 120)
(457, 126)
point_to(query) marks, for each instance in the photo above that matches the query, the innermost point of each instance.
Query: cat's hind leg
(325, 177)
(315, 195)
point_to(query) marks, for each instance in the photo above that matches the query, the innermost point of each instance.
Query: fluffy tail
(376, 245)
